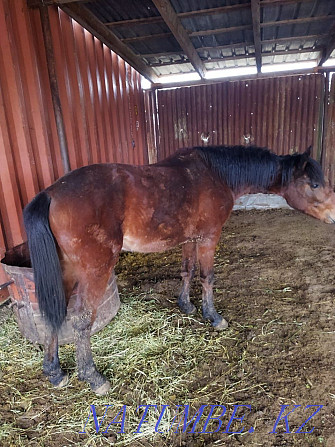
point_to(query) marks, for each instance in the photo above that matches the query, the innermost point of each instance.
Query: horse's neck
(274, 188)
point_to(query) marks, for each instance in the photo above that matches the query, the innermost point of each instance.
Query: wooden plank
(59, 46)
(37, 3)
(171, 19)
(46, 106)
(47, 37)
(298, 21)
(220, 30)
(256, 27)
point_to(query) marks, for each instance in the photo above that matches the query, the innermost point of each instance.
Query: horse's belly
(147, 244)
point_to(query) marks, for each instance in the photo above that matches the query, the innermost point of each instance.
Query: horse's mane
(254, 166)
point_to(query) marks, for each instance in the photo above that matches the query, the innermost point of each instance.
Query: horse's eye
(314, 185)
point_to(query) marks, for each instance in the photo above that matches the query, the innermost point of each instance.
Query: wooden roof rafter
(256, 27)
(171, 19)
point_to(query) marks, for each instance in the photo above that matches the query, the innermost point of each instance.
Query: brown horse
(77, 227)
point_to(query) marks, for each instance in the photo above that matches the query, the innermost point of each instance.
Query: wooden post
(323, 156)
(45, 20)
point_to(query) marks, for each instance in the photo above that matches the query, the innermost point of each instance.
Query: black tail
(45, 261)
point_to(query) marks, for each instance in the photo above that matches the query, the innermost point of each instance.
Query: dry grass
(153, 355)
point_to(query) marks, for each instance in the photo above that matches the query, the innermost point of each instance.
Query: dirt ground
(275, 285)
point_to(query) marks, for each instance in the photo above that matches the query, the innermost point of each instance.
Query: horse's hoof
(188, 309)
(220, 325)
(103, 389)
(63, 382)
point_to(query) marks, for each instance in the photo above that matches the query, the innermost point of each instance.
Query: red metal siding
(102, 103)
(280, 113)
(329, 144)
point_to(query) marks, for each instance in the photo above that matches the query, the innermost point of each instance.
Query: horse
(77, 227)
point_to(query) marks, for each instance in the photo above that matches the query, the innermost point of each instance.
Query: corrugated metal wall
(281, 113)
(329, 136)
(101, 98)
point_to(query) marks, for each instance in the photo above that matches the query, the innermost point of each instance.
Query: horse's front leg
(51, 366)
(187, 273)
(206, 260)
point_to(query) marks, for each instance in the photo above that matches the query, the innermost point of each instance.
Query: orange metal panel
(103, 101)
(15, 107)
(102, 104)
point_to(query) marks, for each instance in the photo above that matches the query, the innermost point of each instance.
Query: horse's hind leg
(206, 260)
(51, 366)
(90, 293)
(187, 274)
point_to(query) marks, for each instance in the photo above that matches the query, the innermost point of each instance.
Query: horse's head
(307, 190)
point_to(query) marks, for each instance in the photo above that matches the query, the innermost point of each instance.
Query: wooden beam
(298, 21)
(219, 30)
(89, 21)
(141, 21)
(329, 47)
(51, 64)
(256, 27)
(37, 3)
(146, 37)
(265, 3)
(173, 22)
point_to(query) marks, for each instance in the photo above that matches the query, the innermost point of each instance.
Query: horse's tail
(45, 261)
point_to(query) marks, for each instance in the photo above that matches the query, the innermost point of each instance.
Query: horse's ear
(308, 151)
(303, 159)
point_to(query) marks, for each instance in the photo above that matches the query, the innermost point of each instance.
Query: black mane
(241, 166)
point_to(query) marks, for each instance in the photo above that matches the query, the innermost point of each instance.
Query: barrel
(17, 265)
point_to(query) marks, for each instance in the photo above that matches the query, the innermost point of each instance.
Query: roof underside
(163, 37)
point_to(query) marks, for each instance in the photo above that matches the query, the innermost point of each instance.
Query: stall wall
(282, 113)
(328, 156)
(101, 99)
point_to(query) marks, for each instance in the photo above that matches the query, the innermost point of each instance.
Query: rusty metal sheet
(101, 98)
(281, 113)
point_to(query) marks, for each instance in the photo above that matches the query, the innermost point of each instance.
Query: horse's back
(143, 208)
